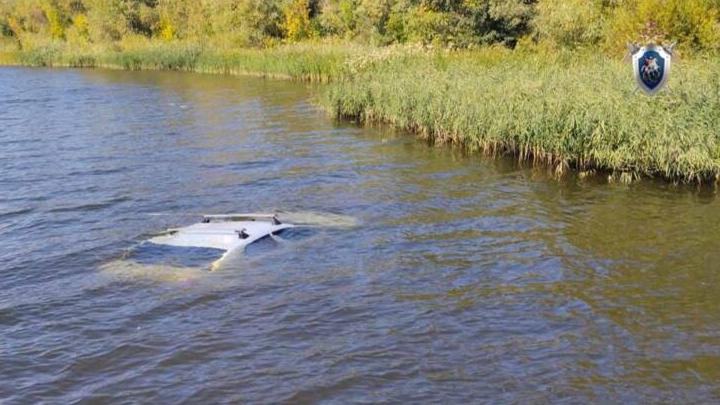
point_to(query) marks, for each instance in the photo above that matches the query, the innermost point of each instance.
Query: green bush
(424, 25)
(230, 24)
(338, 17)
(570, 23)
(5, 30)
(106, 23)
(298, 23)
(693, 23)
(45, 55)
(244, 23)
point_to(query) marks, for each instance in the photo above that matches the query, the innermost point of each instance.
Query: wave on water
(318, 219)
(130, 270)
(298, 218)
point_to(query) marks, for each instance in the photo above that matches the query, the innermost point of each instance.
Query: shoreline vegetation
(565, 110)
(551, 89)
(305, 62)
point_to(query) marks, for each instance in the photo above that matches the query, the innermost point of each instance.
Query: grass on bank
(300, 62)
(568, 109)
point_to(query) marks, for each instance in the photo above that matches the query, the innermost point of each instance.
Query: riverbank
(297, 62)
(567, 110)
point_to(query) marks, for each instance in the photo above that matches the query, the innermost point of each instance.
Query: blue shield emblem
(652, 68)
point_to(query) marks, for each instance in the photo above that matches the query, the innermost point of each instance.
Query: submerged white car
(229, 233)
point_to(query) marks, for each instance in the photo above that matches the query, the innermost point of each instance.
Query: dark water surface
(465, 280)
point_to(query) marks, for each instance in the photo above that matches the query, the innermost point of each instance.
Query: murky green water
(433, 276)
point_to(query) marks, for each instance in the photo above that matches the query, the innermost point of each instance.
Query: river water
(426, 275)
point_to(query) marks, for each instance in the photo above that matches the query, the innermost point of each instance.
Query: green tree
(5, 29)
(186, 19)
(461, 22)
(247, 22)
(693, 23)
(570, 23)
(106, 20)
(299, 19)
(337, 17)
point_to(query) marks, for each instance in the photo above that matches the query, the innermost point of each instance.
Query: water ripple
(440, 277)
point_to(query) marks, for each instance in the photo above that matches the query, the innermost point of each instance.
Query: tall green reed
(564, 110)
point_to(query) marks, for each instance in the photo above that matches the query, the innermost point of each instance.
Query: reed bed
(567, 110)
(310, 62)
(570, 110)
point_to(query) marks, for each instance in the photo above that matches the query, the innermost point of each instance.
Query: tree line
(446, 23)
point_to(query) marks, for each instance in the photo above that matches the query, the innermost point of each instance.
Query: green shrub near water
(46, 55)
(302, 62)
(561, 109)
(445, 23)
(564, 110)
(156, 57)
(319, 62)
